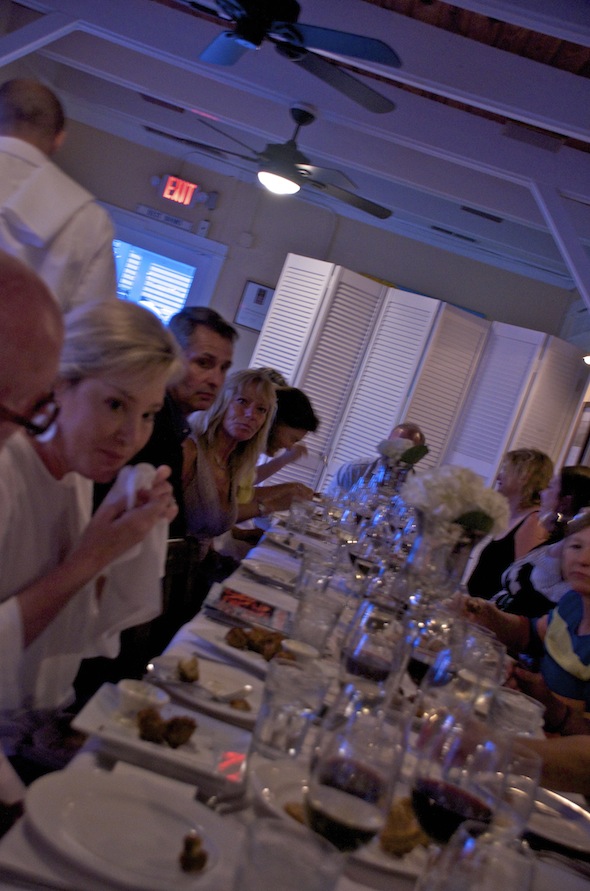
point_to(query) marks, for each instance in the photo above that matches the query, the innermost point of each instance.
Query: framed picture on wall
(254, 305)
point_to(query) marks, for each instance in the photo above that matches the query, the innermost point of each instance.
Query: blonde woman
(71, 581)
(522, 477)
(222, 450)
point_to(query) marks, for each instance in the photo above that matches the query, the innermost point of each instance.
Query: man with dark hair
(47, 220)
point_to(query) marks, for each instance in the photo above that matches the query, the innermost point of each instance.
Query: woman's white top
(41, 519)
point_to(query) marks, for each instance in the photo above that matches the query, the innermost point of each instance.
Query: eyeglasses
(42, 417)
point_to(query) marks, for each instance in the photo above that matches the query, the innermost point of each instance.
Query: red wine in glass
(344, 806)
(441, 807)
(369, 666)
(418, 666)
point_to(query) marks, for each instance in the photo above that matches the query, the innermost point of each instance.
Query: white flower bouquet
(457, 496)
(396, 451)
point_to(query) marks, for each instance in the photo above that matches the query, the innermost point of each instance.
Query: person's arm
(566, 763)
(529, 536)
(268, 499)
(513, 631)
(263, 471)
(111, 532)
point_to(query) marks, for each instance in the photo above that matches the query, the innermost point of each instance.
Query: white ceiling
(425, 160)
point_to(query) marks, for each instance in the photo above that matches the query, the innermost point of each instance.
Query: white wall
(260, 230)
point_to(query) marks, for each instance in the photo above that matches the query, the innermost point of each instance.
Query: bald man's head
(31, 336)
(32, 112)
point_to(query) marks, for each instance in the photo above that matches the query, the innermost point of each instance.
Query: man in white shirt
(46, 219)
(348, 474)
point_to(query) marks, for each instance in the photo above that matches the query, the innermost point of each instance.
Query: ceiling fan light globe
(277, 184)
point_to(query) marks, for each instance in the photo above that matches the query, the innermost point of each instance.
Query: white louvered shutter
(292, 315)
(329, 348)
(495, 399)
(392, 357)
(556, 390)
(444, 378)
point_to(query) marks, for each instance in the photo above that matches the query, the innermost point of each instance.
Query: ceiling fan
(277, 21)
(284, 169)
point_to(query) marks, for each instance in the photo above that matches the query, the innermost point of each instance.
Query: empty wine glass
(352, 778)
(476, 860)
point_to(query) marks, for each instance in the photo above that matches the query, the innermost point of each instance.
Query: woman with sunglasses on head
(71, 581)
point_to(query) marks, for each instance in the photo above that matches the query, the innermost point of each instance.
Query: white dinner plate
(124, 829)
(214, 758)
(268, 572)
(561, 821)
(278, 782)
(216, 678)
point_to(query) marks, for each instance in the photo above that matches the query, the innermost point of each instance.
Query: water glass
(320, 603)
(293, 696)
(512, 711)
(476, 860)
(290, 857)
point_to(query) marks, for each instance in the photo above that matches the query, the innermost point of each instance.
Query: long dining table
(50, 847)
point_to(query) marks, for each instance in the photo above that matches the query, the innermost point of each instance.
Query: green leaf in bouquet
(476, 521)
(414, 454)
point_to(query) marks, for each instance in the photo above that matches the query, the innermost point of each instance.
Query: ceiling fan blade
(344, 44)
(224, 50)
(376, 210)
(200, 146)
(311, 173)
(334, 76)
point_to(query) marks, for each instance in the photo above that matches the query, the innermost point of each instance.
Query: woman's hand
(114, 528)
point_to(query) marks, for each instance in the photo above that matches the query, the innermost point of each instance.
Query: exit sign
(178, 190)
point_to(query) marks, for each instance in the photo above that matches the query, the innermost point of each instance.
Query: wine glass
(459, 762)
(352, 778)
(477, 860)
(374, 647)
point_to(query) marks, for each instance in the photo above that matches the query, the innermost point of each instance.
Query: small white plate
(213, 635)
(124, 829)
(286, 540)
(216, 678)
(213, 758)
(278, 782)
(268, 572)
(559, 820)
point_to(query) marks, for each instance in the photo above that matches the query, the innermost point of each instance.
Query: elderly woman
(560, 638)
(523, 476)
(70, 582)
(224, 446)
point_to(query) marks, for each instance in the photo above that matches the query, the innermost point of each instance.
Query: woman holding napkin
(71, 581)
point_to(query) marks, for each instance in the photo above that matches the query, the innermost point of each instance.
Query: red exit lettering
(179, 190)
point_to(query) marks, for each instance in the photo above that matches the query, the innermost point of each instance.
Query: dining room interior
(431, 265)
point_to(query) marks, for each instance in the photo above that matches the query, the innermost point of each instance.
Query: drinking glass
(476, 860)
(459, 763)
(353, 776)
(519, 788)
(291, 858)
(374, 647)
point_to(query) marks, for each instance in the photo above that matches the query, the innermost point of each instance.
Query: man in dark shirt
(207, 342)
